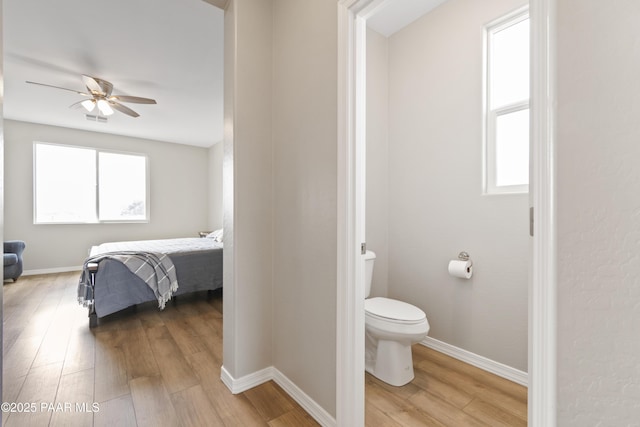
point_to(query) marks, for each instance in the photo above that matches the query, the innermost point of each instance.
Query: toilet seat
(390, 310)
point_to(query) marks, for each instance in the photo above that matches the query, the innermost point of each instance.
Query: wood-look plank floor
(141, 367)
(146, 367)
(445, 392)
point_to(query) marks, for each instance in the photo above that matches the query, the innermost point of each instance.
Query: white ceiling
(168, 50)
(397, 14)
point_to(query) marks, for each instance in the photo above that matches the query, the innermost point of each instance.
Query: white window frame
(490, 116)
(97, 152)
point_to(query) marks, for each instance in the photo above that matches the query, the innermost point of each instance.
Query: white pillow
(216, 235)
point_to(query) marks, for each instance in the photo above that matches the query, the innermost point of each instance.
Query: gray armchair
(13, 259)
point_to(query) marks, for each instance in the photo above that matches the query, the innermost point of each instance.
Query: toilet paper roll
(462, 269)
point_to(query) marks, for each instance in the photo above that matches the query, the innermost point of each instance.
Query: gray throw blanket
(155, 269)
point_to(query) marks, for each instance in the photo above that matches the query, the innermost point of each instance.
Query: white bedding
(165, 246)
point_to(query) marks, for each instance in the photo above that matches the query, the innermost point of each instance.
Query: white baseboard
(52, 270)
(255, 379)
(497, 368)
(248, 381)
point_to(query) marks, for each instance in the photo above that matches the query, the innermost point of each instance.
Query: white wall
(436, 205)
(216, 156)
(598, 198)
(178, 185)
(305, 194)
(377, 164)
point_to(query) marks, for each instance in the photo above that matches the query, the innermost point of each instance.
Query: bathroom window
(507, 104)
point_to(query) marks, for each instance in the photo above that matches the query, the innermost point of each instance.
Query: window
(85, 185)
(507, 105)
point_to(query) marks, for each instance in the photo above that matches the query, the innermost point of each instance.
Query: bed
(107, 285)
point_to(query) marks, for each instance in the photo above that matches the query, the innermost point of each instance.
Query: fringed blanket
(155, 269)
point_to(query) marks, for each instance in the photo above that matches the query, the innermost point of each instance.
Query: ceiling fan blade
(97, 86)
(58, 87)
(91, 84)
(107, 87)
(126, 110)
(132, 99)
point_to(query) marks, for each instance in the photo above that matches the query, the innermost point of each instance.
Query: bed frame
(93, 317)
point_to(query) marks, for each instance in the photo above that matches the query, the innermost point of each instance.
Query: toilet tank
(369, 258)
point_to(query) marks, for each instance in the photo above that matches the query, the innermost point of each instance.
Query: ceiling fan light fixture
(88, 104)
(104, 107)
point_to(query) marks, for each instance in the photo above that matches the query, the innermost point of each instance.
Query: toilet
(391, 328)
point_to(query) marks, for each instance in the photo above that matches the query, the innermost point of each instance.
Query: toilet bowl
(391, 328)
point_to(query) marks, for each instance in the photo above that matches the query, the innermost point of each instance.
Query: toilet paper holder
(464, 256)
(462, 267)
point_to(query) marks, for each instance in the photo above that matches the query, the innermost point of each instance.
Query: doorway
(353, 15)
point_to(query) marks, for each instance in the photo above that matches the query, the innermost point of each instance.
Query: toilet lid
(393, 310)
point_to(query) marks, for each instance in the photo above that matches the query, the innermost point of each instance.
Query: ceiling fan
(99, 97)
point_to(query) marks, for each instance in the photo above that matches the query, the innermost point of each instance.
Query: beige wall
(280, 163)
(305, 194)
(598, 180)
(248, 193)
(178, 195)
(435, 201)
(377, 164)
(1, 173)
